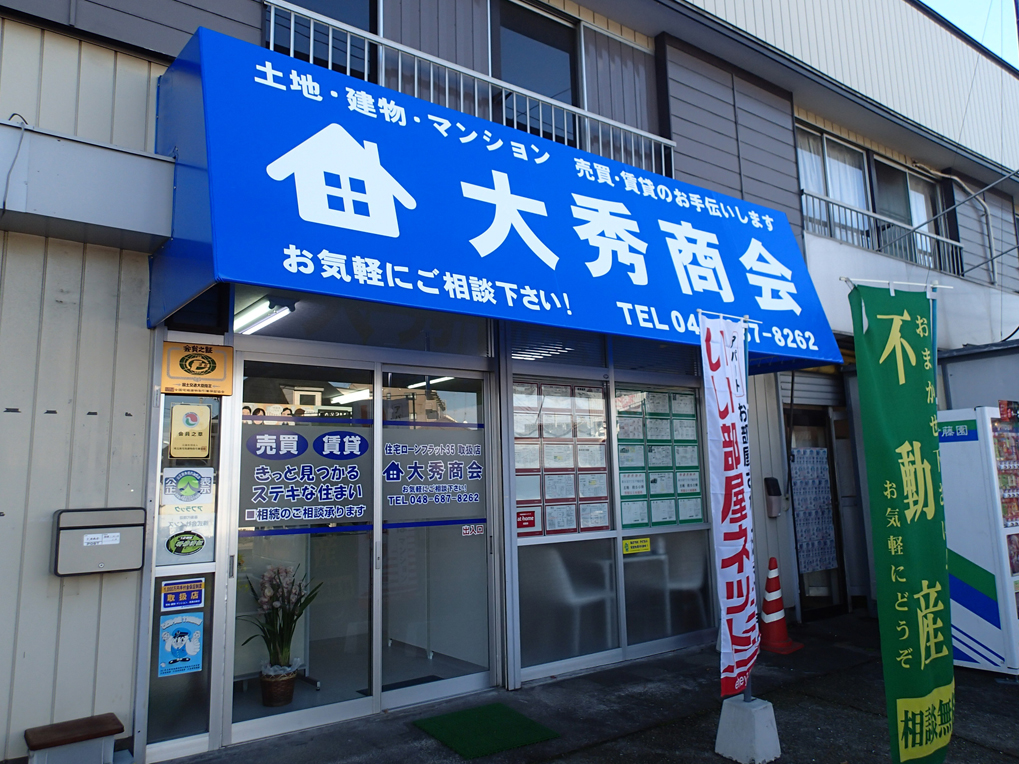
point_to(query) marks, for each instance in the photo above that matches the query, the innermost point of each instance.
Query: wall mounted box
(107, 540)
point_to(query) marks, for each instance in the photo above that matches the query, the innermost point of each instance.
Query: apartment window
(912, 201)
(834, 177)
(362, 14)
(534, 51)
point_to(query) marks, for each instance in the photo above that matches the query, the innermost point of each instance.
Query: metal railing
(311, 37)
(868, 230)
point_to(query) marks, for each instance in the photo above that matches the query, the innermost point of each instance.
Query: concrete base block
(747, 731)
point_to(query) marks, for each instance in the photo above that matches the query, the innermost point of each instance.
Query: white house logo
(341, 183)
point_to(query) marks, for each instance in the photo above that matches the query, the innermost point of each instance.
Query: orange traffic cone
(774, 636)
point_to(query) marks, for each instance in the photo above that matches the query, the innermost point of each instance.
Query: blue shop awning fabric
(291, 176)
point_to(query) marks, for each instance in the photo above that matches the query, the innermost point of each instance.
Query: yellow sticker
(634, 546)
(189, 431)
(193, 369)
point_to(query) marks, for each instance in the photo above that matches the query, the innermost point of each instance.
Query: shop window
(562, 478)
(534, 51)
(304, 316)
(667, 587)
(567, 600)
(305, 507)
(658, 458)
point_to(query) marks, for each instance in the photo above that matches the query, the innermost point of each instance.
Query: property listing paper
(815, 528)
(895, 349)
(724, 359)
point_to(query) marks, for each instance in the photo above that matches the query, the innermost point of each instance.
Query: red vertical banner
(723, 353)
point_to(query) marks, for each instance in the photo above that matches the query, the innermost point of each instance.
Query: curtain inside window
(808, 152)
(846, 175)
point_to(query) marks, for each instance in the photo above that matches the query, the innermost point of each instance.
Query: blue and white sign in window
(295, 177)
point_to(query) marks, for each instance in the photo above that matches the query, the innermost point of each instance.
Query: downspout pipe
(987, 213)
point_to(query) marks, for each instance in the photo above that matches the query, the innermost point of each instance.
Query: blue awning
(294, 177)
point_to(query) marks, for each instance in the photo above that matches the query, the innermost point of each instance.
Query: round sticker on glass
(341, 445)
(273, 445)
(185, 543)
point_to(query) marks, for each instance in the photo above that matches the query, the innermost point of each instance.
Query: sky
(989, 22)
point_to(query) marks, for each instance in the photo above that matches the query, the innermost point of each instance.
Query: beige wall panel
(95, 93)
(891, 52)
(80, 598)
(21, 278)
(58, 92)
(130, 102)
(118, 620)
(20, 55)
(39, 592)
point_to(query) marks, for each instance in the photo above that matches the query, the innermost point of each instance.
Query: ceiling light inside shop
(427, 381)
(357, 395)
(261, 314)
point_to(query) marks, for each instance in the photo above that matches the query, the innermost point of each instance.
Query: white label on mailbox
(101, 539)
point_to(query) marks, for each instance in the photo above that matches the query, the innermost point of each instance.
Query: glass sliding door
(435, 591)
(306, 513)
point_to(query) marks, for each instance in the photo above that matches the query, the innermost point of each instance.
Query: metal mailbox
(108, 540)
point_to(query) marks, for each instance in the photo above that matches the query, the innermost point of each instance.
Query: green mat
(484, 730)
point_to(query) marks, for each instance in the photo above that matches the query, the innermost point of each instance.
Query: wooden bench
(79, 741)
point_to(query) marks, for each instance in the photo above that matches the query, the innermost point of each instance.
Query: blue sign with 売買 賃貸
(291, 176)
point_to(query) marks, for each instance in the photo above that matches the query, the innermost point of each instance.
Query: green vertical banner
(896, 365)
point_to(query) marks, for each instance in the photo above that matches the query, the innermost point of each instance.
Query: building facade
(870, 128)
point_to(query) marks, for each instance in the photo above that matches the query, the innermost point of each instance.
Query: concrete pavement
(828, 699)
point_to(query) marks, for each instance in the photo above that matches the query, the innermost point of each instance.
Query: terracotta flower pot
(278, 689)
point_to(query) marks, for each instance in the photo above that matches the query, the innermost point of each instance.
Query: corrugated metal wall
(69, 86)
(73, 421)
(620, 81)
(731, 134)
(893, 53)
(972, 222)
(454, 30)
(812, 389)
(159, 25)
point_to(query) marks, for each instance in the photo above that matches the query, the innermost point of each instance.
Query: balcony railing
(869, 230)
(308, 36)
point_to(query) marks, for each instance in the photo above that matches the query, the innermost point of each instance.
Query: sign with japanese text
(189, 431)
(292, 176)
(186, 526)
(305, 471)
(182, 594)
(898, 400)
(181, 640)
(197, 369)
(723, 354)
(433, 472)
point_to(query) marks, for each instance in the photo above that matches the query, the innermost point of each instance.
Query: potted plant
(282, 598)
